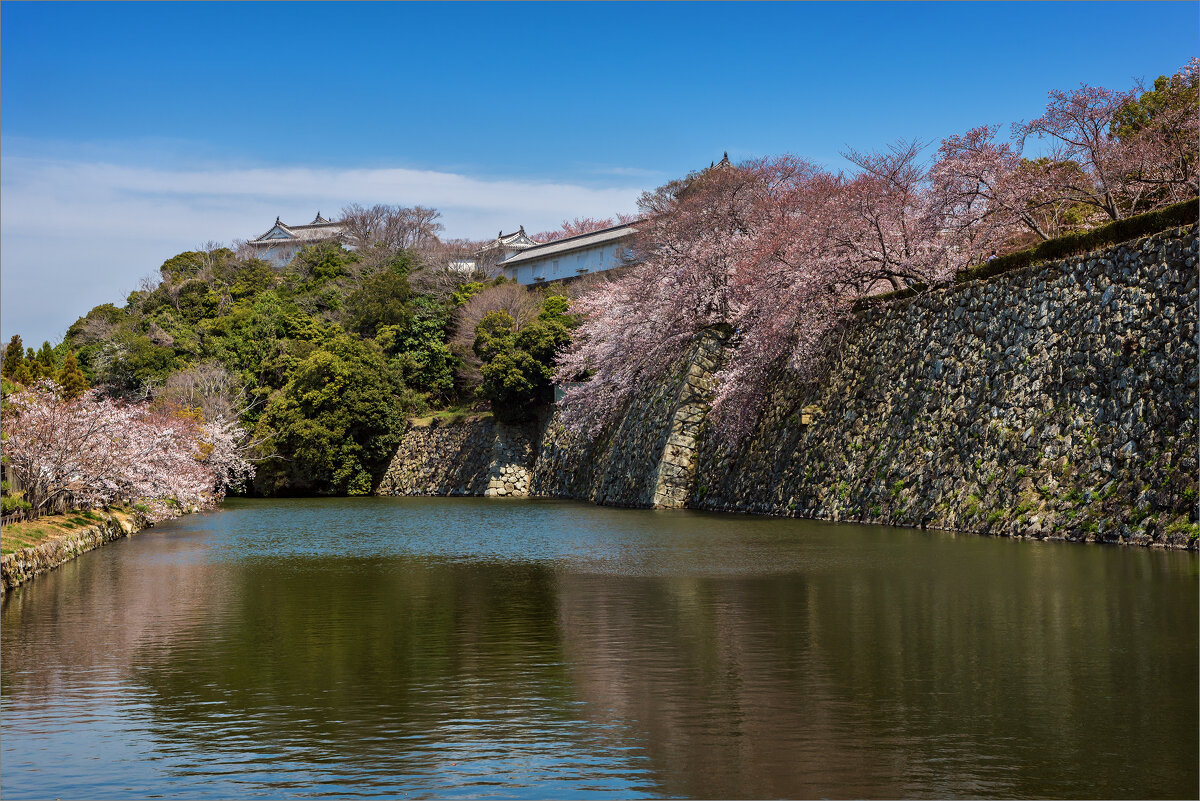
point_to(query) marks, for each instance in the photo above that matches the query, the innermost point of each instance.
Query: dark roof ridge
(580, 236)
(519, 232)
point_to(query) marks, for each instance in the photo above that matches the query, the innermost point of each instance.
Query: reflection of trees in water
(1030, 673)
(93, 614)
(379, 669)
(897, 664)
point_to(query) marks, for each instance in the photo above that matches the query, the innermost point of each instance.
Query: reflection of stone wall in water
(767, 685)
(1058, 401)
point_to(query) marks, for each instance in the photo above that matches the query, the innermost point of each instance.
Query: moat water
(492, 648)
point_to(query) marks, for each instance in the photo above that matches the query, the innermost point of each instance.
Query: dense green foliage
(71, 378)
(25, 365)
(518, 364)
(14, 354)
(323, 360)
(382, 298)
(336, 422)
(418, 348)
(10, 502)
(1145, 110)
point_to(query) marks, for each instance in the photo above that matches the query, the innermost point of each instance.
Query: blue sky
(129, 132)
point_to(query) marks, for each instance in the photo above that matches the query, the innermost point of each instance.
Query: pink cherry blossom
(775, 251)
(97, 451)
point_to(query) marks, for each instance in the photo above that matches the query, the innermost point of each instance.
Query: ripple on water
(467, 648)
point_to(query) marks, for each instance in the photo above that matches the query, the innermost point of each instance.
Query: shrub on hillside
(517, 364)
(336, 423)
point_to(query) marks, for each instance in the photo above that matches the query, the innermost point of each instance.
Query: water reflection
(902, 680)
(466, 648)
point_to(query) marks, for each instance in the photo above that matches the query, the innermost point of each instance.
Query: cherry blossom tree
(161, 463)
(1134, 150)
(97, 451)
(222, 448)
(774, 252)
(745, 249)
(1076, 125)
(1159, 133)
(981, 185)
(891, 223)
(55, 447)
(1111, 154)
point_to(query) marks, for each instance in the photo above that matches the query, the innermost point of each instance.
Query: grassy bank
(450, 416)
(28, 533)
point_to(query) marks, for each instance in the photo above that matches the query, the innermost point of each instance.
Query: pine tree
(14, 354)
(71, 378)
(45, 360)
(21, 373)
(32, 370)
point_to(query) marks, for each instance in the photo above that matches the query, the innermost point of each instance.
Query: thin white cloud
(74, 234)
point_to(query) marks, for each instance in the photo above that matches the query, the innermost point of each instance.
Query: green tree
(545, 338)
(465, 292)
(197, 301)
(1144, 111)
(45, 361)
(71, 378)
(137, 360)
(381, 299)
(14, 356)
(1159, 125)
(182, 267)
(336, 423)
(247, 278)
(518, 366)
(308, 384)
(322, 262)
(193, 264)
(419, 349)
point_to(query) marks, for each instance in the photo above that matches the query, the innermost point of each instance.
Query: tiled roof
(316, 231)
(517, 239)
(312, 232)
(572, 243)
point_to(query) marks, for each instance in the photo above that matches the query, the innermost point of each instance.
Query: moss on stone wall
(24, 563)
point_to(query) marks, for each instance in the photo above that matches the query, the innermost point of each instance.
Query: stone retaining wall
(20, 566)
(647, 458)
(1056, 402)
(477, 457)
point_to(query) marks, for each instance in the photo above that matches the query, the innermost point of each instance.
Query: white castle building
(282, 242)
(516, 255)
(573, 257)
